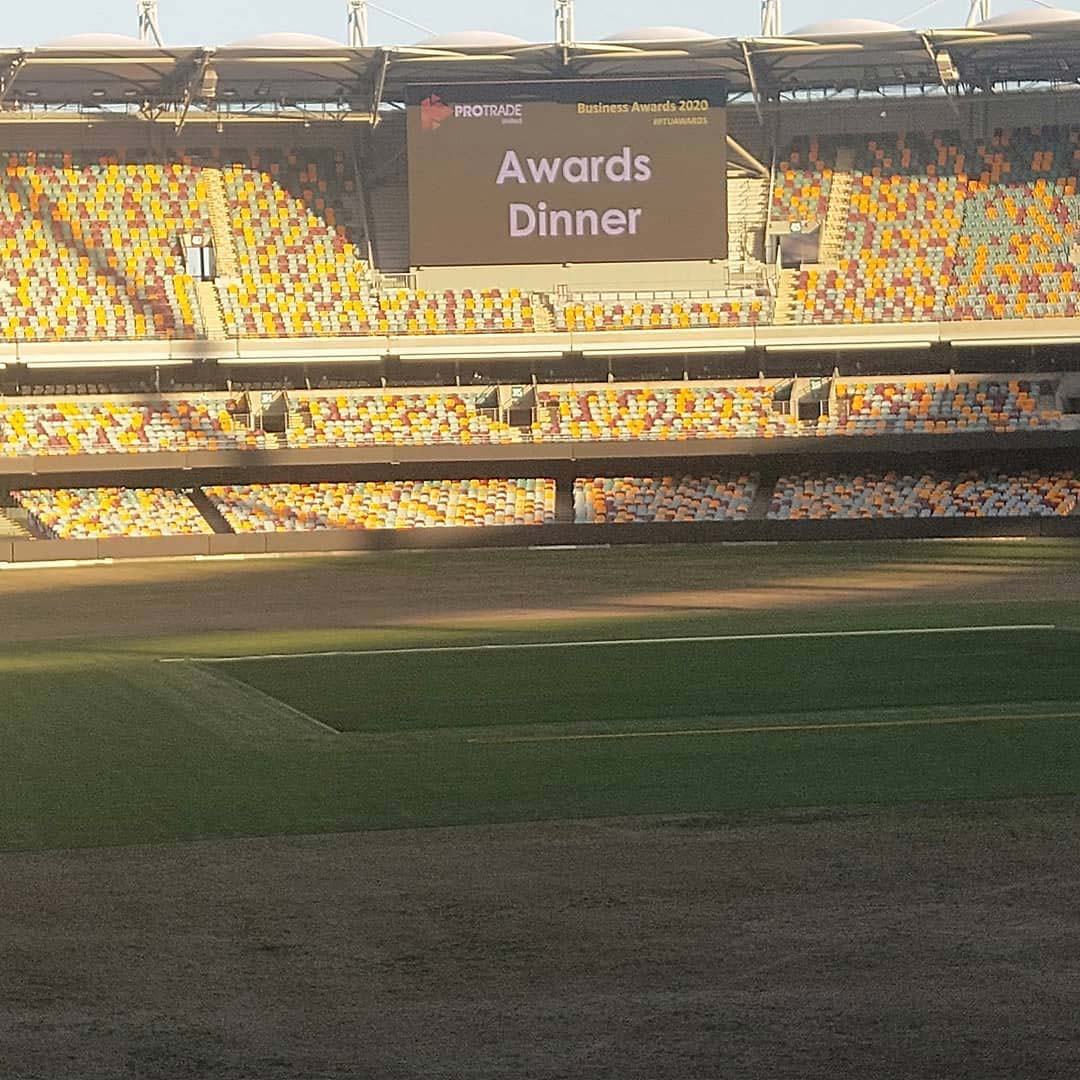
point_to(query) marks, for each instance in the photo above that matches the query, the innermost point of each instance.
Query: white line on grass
(609, 643)
(273, 702)
(750, 729)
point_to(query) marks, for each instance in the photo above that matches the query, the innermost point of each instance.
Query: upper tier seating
(91, 248)
(937, 227)
(941, 228)
(396, 418)
(302, 276)
(903, 225)
(96, 426)
(802, 182)
(1013, 259)
(415, 311)
(923, 406)
(688, 411)
(393, 504)
(87, 513)
(619, 499)
(299, 275)
(976, 493)
(663, 311)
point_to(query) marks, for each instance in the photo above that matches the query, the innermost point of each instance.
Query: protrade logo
(433, 111)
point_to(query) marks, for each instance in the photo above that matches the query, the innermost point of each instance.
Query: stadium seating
(941, 228)
(972, 494)
(414, 311)
(405, 504)
(103, 426)
(298, 274)
(802, 181)
(301, 276)
(619, 499)
(937, 227)
(396, 418)
(902, 230)
(88, 513)
(929, 407)
(1013, 259)
(91, 248)
(663, 311)
(686, 411)
(564, 413)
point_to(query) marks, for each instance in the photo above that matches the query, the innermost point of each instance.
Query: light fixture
(102, 365)
(494, 356)
(846, 346)
(990, 343)
(270, 361)
(664, 349)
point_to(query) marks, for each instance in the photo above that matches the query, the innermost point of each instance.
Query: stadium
(542, 558)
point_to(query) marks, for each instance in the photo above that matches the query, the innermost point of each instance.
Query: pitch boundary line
(270, 700)
(610, 643)
(750, 729)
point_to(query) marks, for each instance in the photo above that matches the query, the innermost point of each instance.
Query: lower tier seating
(619, 499)
(990, 493)
(88, 513)
(393, 504)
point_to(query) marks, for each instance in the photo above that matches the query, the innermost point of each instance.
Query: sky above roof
(218, 22)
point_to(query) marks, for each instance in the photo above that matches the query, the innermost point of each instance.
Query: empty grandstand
(79, 426)
(994, 493)
(273, 422)
(86, 513)
(238, 286)
(628, 499)
(253, 508)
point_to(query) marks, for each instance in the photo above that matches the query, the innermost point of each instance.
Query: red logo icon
(433, 111)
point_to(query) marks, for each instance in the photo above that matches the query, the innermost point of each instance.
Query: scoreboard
(567, 172)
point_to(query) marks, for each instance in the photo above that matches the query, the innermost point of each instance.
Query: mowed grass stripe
(762, 729)
(509, 646)
(671, 680)
(91, 759)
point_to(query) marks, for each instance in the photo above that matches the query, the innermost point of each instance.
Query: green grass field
(104, 744)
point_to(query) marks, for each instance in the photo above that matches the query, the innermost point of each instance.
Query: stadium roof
(282, 71)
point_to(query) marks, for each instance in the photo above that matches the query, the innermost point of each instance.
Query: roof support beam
(380, 83)
(770, 18)
(358, 23)
(193, 88)
(7, 80)
(753, 81)
(978, 12)
(752, 162)
(149, 31)
(941, 78)
(564, 28)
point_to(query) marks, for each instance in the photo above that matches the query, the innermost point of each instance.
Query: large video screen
(567, 172)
